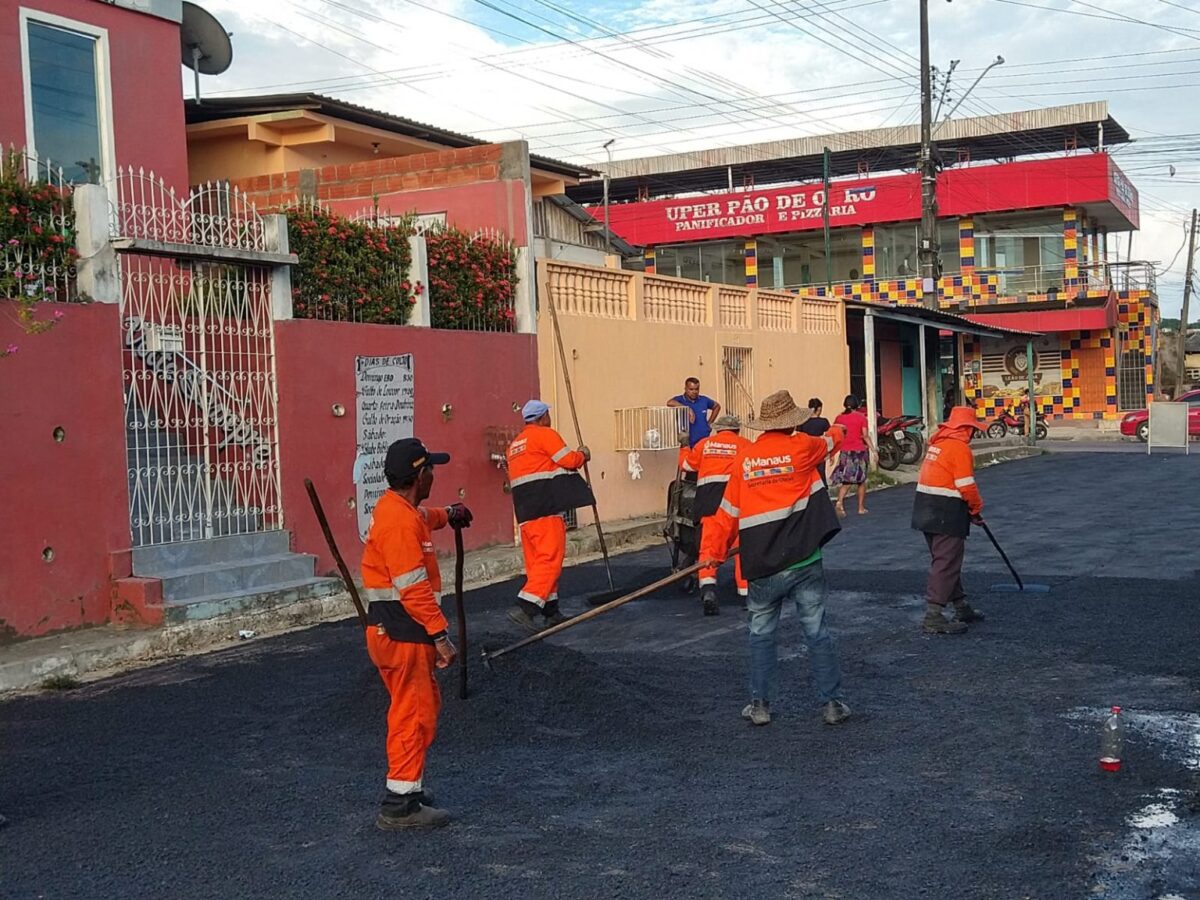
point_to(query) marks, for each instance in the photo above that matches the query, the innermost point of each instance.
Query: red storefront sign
(1034, 184)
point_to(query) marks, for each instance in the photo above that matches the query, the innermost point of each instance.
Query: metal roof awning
(1086, 314)
(1001, 136)
(935, 318)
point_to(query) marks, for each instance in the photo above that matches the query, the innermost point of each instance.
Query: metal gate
(739, 382)
(198, 362)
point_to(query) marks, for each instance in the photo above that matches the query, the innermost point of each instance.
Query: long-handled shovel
(351, 587)
(592, 613)
(462, 614)
(562, 356)
(1020, 586)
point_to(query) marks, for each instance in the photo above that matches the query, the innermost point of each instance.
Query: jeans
(806, 587)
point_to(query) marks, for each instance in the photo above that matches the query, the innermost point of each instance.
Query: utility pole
(1181, 358)
(927, 252)
(607, 175)
(825, 217)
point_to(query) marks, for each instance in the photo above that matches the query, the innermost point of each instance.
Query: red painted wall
(147, 104)
(69, 496)
(499, 204)
(480, 375)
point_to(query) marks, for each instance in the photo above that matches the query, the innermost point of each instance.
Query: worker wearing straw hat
(777, 508)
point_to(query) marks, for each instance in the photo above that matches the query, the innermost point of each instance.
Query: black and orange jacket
(713, 459)
(400, 573)
(775, 504)
(541, 473)
(947, 495)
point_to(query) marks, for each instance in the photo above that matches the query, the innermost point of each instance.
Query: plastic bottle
(1112, 741)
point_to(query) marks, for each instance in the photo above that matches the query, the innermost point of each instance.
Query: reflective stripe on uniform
(730, 508)
(774, 515)
(408, 579)
(539, 476)
(403, 787)
(828, 442)
(712, 479)
(963, 482)
(560, 454)
(378, 595)
(940, 492)
(532, 598)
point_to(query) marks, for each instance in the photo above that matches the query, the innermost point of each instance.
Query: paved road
(611, 762)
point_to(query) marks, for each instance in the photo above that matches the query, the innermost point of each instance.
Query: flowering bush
(37, 244)
(472, 280)
(350, 271)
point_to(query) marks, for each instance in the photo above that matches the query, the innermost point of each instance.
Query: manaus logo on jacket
(766, 466)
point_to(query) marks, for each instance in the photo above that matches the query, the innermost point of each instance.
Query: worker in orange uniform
(946, 503)
(545, 484)
(777, 508)
(713, 459)
(406, 631)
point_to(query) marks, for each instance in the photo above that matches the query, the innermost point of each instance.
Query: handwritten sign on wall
(384, 406)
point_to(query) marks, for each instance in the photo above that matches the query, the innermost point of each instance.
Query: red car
(1137, 424)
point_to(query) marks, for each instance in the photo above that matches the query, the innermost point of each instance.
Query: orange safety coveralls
(402, 586)
(713, 459)
(541, 473)
(775, 504)
(946, 498)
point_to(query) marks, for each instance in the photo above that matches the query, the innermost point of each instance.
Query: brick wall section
(377, 177)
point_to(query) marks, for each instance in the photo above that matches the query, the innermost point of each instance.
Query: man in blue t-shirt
(701, 410)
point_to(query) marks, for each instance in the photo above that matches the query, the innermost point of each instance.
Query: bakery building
(1033, 212)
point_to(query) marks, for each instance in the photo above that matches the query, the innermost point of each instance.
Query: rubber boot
(400, 812)
(523, 613)
(708, 597)
(552, 614)
(965, 612)
(936, 623)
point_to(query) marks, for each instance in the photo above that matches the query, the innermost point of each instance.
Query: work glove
(459, 516)
(446, 652)
(587, 454)
(976, 519)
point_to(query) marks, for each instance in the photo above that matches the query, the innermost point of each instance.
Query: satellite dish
(203, 43)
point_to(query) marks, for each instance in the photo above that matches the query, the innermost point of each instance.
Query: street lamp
(998, 61)
(607, 175)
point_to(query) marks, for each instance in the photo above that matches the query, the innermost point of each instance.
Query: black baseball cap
(408, 456)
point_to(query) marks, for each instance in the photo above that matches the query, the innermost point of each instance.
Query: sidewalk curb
(96, 653)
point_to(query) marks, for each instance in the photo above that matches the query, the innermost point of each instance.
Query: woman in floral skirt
(855, 458)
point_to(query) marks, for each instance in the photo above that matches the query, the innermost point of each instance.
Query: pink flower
(12, 348)
(58, 314)
(12, 242)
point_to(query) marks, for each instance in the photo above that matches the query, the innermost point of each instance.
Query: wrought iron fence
(37, 230)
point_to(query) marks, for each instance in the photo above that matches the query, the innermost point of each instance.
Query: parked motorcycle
(898, 443)
(1008, 420)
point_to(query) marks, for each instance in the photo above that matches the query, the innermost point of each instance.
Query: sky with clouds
(672, 76)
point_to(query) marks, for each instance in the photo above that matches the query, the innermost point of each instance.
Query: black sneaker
(518, 616)
(421, 817)
(965, 612)
(708, 597)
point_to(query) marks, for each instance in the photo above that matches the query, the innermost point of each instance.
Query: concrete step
(153, 561)
(181, 585)
(250, 600)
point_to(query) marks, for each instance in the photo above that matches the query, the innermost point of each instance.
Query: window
(721, 262)
(799, 259)
(896, 251)
(1025, 251)
(66, 96)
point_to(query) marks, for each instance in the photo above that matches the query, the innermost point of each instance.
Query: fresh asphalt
(611, 761)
